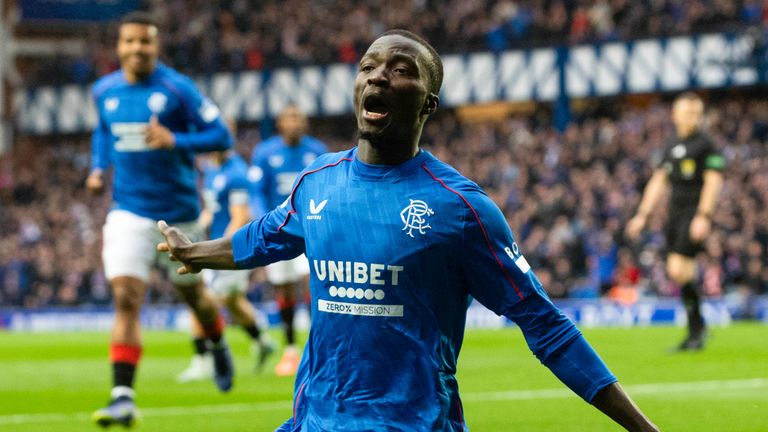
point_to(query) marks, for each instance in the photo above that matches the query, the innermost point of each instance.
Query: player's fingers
(153, 120)
(152, 136)
(182, 270)
(162, 226)
(163, 247)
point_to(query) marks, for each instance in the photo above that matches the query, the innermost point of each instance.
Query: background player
(225, 196)
(693, 167)
(275, 163)
(401, 243)
(152, 120)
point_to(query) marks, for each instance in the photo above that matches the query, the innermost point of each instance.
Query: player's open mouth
(374, 108)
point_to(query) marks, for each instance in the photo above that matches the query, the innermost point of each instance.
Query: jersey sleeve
(210, 133)
(258, 183)
(713, 159)
(666, 161)
(100, 140)
(238, 189)
(560, 346)
(497, 273)
(276, 236)
(501, 279)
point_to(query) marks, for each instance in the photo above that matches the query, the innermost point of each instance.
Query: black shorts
(678, 232)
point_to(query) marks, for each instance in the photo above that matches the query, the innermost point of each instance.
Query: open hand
(177, 244)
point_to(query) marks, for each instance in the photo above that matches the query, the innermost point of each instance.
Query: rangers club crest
(156, 102)
(414, 217)
(111, 104)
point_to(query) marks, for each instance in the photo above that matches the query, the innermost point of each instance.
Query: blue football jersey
(225, 185)
(274, 168)
(395, 253)
(158, 184)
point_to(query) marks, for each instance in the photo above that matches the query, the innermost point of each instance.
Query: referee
(694, 169)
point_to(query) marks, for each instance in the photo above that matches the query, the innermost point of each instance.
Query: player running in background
(694, 169)
(152, 121)
(398, 241)
(225, 197)
(274, 166)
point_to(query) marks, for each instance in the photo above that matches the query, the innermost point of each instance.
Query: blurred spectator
(49, 254)
(566, 196)
(625, 279)
(233, 35)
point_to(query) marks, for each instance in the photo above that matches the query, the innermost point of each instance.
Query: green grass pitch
(52, 381)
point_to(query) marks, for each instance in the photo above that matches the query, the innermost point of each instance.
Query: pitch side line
(152, 412)
(636, 389)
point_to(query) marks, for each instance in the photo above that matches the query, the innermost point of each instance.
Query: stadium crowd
(567, 196)
(202, 37)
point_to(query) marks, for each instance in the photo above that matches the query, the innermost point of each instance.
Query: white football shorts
(130, 247)
(290, 271)
(226, 282)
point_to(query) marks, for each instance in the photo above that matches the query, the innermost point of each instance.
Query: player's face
(216, 158)
(686, 115)
(137, 48)
(391, 89)
(292, 124)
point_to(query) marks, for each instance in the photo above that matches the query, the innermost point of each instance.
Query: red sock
(213, 331)
(124, 359)
(124, 353)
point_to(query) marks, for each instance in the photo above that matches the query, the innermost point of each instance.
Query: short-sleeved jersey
(225, 185)
(158, 184)
(395, 253)
(685, 161)
(274, 167)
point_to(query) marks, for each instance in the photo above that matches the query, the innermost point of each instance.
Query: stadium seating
(567, 197)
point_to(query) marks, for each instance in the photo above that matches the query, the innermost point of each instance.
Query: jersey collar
(387, 172)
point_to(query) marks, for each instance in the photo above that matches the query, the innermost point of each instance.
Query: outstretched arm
(557, 343)
(213, 254)
(502, 280)
(275, 236)
(616, 404)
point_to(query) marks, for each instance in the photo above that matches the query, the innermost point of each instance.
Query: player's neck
(134, 77)
(291, 141)
(384, 154)
(685, 134)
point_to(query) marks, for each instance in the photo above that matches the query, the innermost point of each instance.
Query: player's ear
(431, 104)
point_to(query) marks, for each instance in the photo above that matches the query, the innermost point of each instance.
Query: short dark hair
(689, 95)
(435, 63)
(139, 17)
